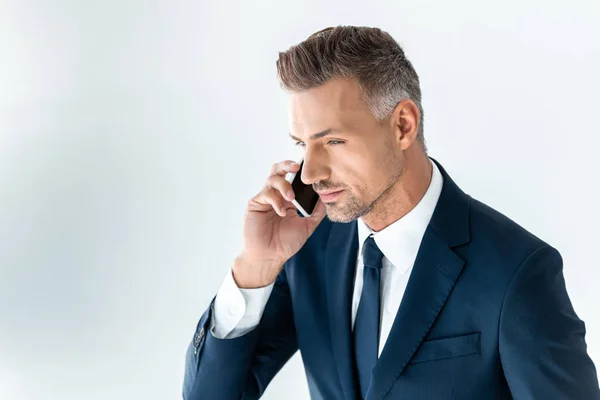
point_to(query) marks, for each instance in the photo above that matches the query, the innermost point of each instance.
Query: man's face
(358, 155)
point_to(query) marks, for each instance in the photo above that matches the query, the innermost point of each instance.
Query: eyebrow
(315, 136)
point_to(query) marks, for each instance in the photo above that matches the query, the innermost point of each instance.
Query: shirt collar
(400, 241)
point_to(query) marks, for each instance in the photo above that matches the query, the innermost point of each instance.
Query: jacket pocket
(447, 348)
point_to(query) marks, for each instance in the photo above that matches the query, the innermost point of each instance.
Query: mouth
(329, 196)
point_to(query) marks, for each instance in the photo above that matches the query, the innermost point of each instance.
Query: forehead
(337, 104)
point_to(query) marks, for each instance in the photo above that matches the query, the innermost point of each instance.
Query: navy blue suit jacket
(485, 315)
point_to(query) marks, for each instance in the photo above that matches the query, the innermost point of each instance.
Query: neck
(405, 194)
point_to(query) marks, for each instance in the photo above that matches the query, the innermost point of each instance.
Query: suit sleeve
(541, 339)
(241, 367)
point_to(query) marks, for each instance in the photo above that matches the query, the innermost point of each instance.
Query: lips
(329, 195)
(329, 191)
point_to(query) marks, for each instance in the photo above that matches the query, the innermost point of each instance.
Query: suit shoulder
(500, 235)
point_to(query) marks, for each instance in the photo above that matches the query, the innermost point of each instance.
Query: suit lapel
(435, 272)
(342, 249)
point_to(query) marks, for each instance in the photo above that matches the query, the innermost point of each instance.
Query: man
(410, 288)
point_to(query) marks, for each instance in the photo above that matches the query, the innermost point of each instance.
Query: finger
(273, 198)
(282, 186)
(282, 168)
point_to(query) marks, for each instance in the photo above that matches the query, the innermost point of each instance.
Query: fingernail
(290, 195)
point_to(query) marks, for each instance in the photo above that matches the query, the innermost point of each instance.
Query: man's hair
(368, 55)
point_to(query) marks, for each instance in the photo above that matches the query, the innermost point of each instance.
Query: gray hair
(368, 55)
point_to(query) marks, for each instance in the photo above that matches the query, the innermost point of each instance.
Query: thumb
(317, 215)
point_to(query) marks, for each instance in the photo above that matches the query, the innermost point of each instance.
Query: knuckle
(271, 179)
(273, 195)
(278, 168)
(275, 181)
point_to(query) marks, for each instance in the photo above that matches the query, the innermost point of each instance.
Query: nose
(314, 169)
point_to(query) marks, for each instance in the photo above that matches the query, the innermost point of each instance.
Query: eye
(332, 142)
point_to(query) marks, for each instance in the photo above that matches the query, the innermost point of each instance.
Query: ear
(405, 122)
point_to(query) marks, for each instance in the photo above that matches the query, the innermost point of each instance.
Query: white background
(132, 134)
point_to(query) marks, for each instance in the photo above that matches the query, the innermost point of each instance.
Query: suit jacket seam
(509, 286)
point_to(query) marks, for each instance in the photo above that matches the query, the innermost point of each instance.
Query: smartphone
(305, 198)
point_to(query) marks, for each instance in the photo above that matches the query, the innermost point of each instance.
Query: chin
(339, 214)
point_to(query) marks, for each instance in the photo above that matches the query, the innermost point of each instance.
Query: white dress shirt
(238, 311)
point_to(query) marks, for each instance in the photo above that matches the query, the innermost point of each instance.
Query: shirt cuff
(238, 311)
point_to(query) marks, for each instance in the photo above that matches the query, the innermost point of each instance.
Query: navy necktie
(366, 324)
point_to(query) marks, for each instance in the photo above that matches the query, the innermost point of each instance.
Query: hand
(273, 231)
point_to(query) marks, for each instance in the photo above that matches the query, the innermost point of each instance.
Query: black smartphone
(305, 197)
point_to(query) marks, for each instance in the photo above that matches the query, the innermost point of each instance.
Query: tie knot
(372, 256)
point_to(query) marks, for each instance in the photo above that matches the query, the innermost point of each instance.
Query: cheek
(366, 183)
(358, 184)
(358, 176)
